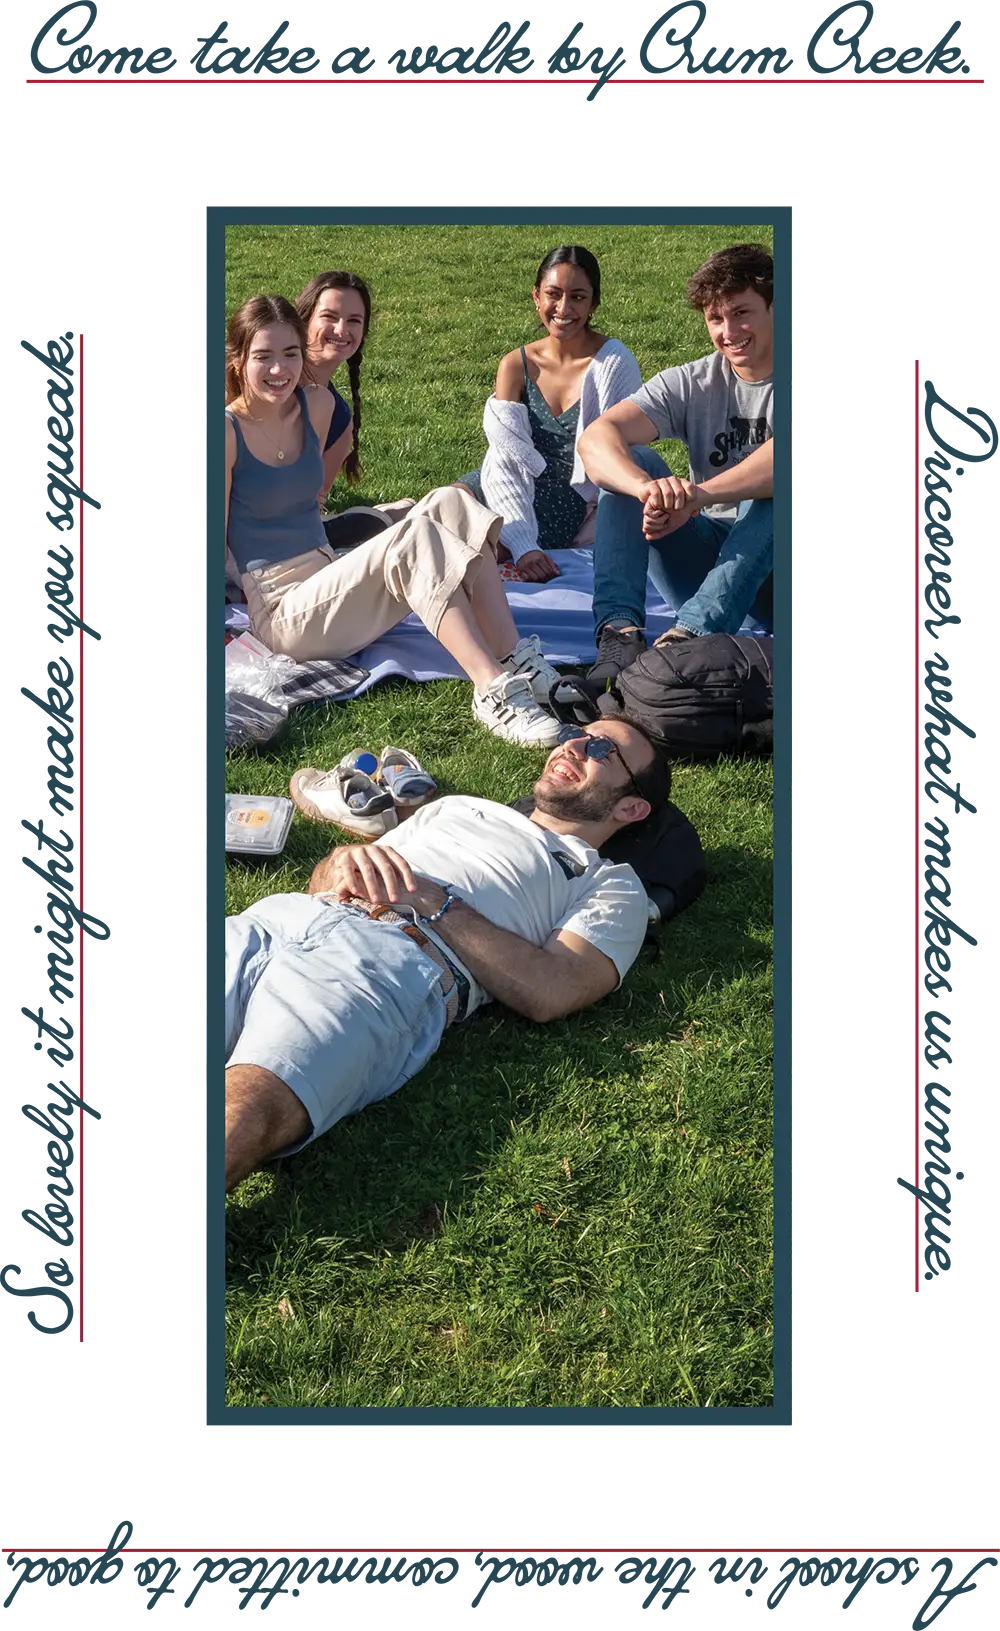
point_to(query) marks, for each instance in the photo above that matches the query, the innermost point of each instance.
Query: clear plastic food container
(257, 824)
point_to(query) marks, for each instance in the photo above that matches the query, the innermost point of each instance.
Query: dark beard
(576, 803)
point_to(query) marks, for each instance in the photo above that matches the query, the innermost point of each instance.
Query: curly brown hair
(730, 271)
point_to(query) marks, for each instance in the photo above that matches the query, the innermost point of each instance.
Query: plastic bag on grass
(256, 706)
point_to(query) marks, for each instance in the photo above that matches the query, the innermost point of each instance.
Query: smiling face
(274, 364)
(564, 301)
(741, 326)
(576, 787)
(336, 327)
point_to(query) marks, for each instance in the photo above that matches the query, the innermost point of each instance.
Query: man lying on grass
(337, 997)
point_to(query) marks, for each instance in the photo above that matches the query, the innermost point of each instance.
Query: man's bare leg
(263, 1116)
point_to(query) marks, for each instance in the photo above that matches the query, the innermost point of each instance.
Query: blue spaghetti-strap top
(274, 509)
(340, 419)
(559, 510)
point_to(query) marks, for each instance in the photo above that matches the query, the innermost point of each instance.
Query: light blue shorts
(340, 1007)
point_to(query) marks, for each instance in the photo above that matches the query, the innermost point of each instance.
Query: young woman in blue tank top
(439, 561)
(275, 431)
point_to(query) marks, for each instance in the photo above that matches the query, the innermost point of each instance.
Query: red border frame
(920, 811)
(146, 1454)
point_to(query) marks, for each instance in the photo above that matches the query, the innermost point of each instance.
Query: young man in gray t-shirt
(706, 542)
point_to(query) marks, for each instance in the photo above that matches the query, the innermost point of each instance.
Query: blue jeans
(712, 572)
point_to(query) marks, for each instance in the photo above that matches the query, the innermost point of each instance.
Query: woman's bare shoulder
(319, 404)
(536, 352)
(508, 386)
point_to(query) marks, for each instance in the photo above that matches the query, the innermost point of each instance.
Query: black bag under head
(666, 852)
(701, 697)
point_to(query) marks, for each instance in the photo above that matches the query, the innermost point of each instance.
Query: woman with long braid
(336, 308)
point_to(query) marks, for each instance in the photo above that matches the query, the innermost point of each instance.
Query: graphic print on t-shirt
(572, 868)
(744, 435)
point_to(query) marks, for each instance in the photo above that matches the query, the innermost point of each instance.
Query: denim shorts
(342, 1008)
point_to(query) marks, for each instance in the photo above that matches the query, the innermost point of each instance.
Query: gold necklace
(277, 447)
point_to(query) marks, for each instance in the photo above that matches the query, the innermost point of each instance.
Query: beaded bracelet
(449, 900)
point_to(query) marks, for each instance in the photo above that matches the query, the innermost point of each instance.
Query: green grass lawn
(576, 1214)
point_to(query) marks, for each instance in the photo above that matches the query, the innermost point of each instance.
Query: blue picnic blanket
(559, 612)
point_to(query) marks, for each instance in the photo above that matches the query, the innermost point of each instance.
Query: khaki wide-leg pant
(312, 606)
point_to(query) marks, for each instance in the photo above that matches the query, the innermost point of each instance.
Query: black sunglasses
(600, 747)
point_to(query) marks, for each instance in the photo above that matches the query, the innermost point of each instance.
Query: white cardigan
(512, 462)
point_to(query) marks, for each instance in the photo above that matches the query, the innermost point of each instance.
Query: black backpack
(701, 697)
(664, 850)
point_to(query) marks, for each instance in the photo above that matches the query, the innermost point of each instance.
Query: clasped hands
(667, 503)
(376, 873)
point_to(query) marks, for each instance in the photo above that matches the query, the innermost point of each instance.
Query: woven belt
(454, 985)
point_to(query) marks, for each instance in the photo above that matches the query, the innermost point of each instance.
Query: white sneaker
(508, 709)
(527, 660)
(345, 795)
(405, 778)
